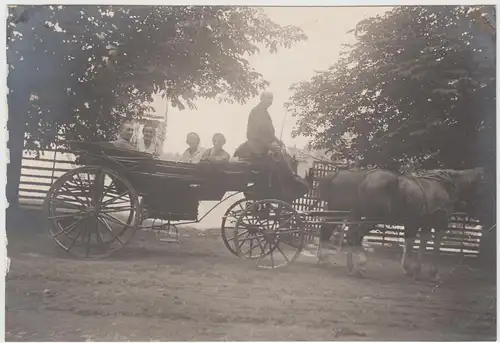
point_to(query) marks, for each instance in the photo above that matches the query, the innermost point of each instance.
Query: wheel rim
(229, 223)
(271, 232)
(92, 211)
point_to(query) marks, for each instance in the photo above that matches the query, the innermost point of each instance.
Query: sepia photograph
(250, 173)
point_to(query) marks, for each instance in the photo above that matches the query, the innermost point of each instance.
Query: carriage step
(168, 237)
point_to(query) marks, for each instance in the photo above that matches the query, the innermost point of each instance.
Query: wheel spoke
(254, 236)
(89, 236)
(99, 238)
(240, 234)
(108, 188)
(115, 220)
(83, 188)
(113, 199)
(74, 240)
(263, 253)
(271, 253)
(282, 253)
(262, 248)
(251, 248)
(69, 228)
(70, 205)
(63, 216)
(113, 235)
(97, 190)
(116, 209)
(243, 240)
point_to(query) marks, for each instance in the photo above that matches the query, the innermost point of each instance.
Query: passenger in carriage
(194, 152)
(125, 133)
(147, 143)
(217, 153)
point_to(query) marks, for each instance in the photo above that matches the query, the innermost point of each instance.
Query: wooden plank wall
(463, 235)
(38, 174)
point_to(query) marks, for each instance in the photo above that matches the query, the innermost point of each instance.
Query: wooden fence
(38, 174)
(463, 235)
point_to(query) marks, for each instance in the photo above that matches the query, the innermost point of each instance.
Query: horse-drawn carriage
(96, 208)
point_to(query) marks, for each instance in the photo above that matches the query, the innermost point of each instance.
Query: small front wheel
(229, 222)
(270, 231)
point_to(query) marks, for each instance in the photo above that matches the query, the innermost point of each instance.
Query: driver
(261, 137)
(260, 129)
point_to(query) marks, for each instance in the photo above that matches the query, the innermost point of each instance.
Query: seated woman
(147, 143)
(194, 153)
(217, 153)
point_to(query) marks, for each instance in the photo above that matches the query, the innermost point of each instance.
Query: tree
(417, 88)
(75, 71)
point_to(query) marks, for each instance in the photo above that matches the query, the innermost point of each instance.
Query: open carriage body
(96, 209)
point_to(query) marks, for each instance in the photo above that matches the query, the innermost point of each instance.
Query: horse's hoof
(417, 277)
(362, 259)
(433, 272)
(322, 260)
(359, 273)
(417, 273)
(408, 271)
(435, 277)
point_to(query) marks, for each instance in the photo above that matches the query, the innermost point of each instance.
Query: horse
(424, 200)
(427, 200)
(364, 194)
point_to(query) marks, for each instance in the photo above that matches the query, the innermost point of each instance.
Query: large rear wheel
(92, 211)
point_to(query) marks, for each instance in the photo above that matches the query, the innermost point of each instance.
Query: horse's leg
(360, 256)
(349, 249)
(408, 259)
(362, 259)
(326, 232)
(438, 235)
(425, 234)
(354, 247)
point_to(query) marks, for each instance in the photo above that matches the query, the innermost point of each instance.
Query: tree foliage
(416, 88)
(74, 71)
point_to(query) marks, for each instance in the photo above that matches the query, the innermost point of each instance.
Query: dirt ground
(197, 290)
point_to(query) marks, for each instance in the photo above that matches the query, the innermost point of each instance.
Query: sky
(326, 28)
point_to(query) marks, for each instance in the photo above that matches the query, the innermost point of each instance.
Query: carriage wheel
(270, 231)
(92, 211)
(229, 221)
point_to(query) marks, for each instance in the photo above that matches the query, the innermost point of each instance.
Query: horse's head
(479, 175)
(477, 192)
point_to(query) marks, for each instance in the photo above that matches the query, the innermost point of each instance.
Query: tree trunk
(17, 102)
(19, 80)
(15, 145)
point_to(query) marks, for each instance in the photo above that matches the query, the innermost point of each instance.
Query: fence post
(53, 168)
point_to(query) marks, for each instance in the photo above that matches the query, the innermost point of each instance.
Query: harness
(440, 178)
